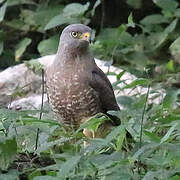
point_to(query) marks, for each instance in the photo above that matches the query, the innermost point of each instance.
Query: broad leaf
(71, 14)
(152, 136)
(137, 82)
(68, 167)
(120, 139)
(171, 27)
(75, 9)
(2, 11)
(45, 14)
(48, 46)
(170, 66)
(170, 98)
(17, 2)
(175, 48)
(34, 65)
(169, 5)
(60, 20)
(93, 123)
(176, 177)
(168, 134)
(8, 149)
(45, 178)
(136, 4)
(21, 47)
(144, 149)
(10, 175)
(154, 19)
(159, 174)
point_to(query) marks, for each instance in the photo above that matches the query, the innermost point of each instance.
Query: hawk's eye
(74, 34)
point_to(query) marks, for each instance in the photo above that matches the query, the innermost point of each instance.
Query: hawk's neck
(66, 57)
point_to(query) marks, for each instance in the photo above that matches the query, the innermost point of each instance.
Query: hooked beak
(86, 36)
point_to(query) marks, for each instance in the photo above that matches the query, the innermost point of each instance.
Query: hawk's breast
(71, 98)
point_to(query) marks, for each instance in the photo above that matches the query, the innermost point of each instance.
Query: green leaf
(154, 19)
(136, 4)
(35, 174)
(75, 9)
(161, 174)
(59, 20)
(45, 14)
(137, 58)
(8, 149)
(137, 82)
(169, 5)
(152, 136)
(125, 101)
(170, 66)
(68, 167)
(168, 134)
(120, 138)
(45, 178)
(144, 149)
(18, 2)
(120, 75)
(175, 48)
(17, 24)
(113, 134)
(34, 65)
(2, 11)
(170, 98)
(171, 27)
(71, 14)
(31, 120)
(130, 21)
(158, 39)
(28, 18)
(10, 175)
(176, 177)
(21, 47)
(48, 46)
(177, 13)
(170, 118)
(47, 145)
(93, 123)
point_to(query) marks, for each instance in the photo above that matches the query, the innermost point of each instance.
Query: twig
(42, 103)
(142, 121)
(142, 118)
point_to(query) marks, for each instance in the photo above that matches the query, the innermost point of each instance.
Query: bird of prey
(77, 88)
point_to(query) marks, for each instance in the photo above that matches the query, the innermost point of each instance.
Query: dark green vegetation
(148, 47)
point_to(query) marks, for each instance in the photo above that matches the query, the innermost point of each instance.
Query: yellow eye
(74, 34)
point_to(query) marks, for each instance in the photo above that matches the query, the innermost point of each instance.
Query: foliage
(61, 154)
(29, 29)
(156, 44)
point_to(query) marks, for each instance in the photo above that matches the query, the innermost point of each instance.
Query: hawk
(77, 88)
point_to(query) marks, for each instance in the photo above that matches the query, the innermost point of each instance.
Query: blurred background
(142, 39)
(133, 34)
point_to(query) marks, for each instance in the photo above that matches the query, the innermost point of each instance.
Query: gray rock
(19, 77)
(14, 78)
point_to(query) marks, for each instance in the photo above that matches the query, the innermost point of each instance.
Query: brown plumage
(77, 88)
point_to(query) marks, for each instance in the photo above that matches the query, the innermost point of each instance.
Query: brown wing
(102, 85)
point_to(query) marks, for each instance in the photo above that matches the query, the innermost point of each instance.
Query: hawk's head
(75, 37)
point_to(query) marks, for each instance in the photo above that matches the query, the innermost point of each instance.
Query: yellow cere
(86, 35)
